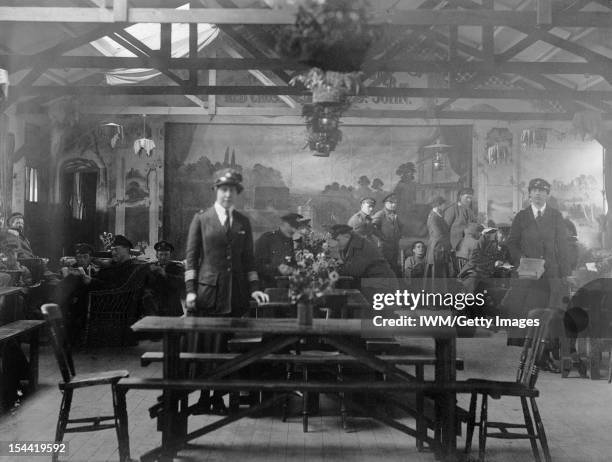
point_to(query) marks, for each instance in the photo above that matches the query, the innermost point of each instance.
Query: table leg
(33, 366)
(446, 372)
(171, 427)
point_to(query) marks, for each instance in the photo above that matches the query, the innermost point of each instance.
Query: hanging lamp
(144, 145)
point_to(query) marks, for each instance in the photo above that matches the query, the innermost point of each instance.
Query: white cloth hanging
(4, 82)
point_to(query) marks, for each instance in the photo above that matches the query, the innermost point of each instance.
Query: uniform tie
(227, 222)
(539, 217)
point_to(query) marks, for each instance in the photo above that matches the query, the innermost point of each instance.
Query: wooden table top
(20, 327)
(347, 327)
(9, 290)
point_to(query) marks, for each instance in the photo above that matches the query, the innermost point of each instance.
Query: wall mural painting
(574, 169)
(279, 176)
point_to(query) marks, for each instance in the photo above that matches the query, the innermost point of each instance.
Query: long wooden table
(342, 334)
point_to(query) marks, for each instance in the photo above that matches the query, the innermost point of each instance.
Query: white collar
(535, 210)
(221, 213)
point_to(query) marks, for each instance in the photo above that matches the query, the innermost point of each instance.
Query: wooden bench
(17, 331)
(413, 360)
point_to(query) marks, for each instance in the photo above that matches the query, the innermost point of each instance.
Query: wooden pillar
(120, 197)
(517, 153)
(6, 166)
(606, 141)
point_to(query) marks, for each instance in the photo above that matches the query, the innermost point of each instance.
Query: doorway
(78, 199)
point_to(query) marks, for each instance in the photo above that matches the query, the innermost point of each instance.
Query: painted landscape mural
(279, 176)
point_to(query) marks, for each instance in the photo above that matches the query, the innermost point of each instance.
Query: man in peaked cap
(388, 228)
(220, 273)
(539, 231)
(274, 248)
(459, 215)
(166, 281)
(362, 223)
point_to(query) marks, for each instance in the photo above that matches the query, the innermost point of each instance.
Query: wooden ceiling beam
(18, 62)
(416, 17)
(288, 90)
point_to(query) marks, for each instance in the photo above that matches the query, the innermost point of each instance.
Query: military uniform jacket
(389, 231)
(439, 237)
(362, 259)
(363, 225)
(169, 287)
(457, 217)
(272, 249)
(223, 265)
(546, 239)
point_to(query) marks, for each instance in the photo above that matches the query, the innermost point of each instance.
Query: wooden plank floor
(577, 414)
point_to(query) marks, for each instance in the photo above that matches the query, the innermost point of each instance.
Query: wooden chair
(523, 387)
(71, 381)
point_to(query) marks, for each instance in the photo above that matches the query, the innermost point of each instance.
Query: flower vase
(304, 313)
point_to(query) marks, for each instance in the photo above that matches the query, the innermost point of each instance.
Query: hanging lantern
(113, 132)
(437, 161)
(144, 145)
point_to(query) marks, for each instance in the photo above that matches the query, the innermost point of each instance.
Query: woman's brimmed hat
(229, 177)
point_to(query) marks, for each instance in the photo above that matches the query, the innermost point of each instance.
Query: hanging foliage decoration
(333, 35)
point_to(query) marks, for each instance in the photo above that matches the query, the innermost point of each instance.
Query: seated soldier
(15, 237)
(120, 269)
(20, 275)
(274, 248)
(482, 262)
(166, 282)
(71, 292)
(362, 260)
(414, 265)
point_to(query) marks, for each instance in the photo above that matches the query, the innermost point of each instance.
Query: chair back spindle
(533, 348)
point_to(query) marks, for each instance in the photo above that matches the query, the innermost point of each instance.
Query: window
(31, 184)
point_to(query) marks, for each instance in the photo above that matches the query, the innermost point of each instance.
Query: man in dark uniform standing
(220, 275)
(274, 248)
(539, 231)
(389, 230)
(167, 281)
(362, 223)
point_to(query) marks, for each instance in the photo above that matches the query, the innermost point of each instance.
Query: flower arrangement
(329, 86)
(107, 240)
(314, 271)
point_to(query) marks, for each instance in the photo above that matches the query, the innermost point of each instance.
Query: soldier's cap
(335, 230)
(473, 228)
(489, 230)
(122, 241)
(539, 183)
(368, 199)
(163, 246)
(437, 201)
(465, 191)
(293, 219)
(390, 198)
(83, 248)
(229, 177)
(14, 216)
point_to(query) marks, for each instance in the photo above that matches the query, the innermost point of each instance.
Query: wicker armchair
(111, 312)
